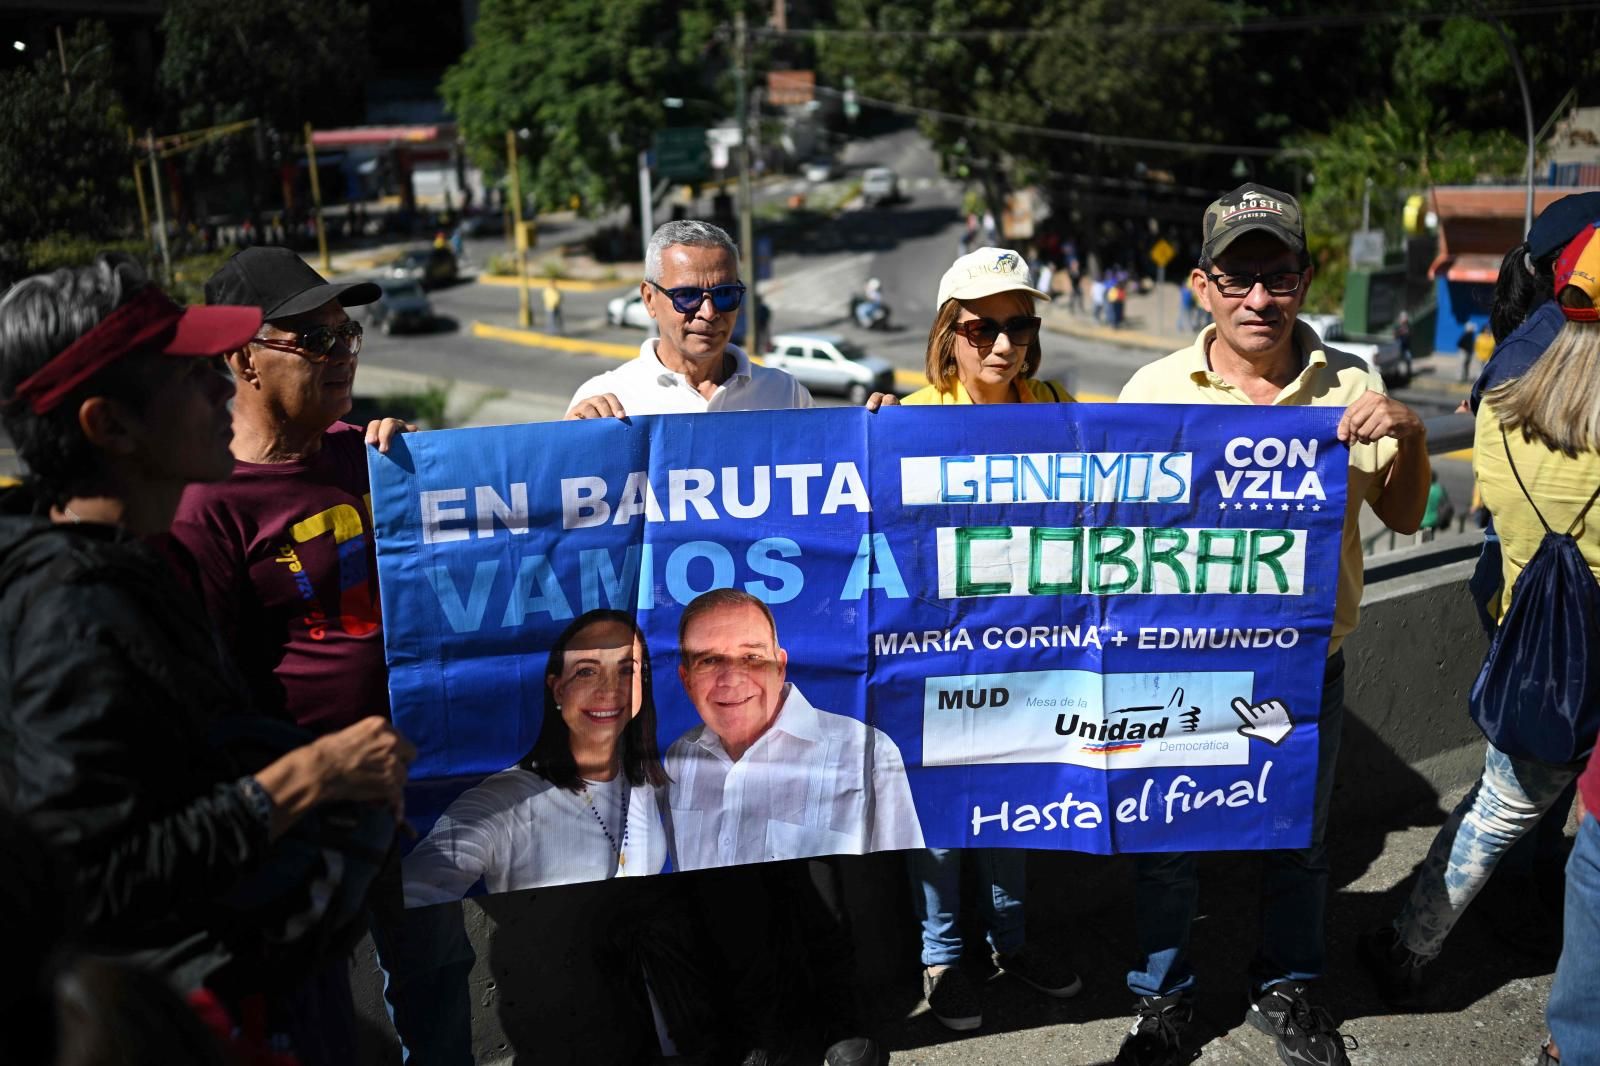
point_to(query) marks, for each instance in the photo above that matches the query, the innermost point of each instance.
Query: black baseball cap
(282, 284)
(1559, 223)
(1251, 208)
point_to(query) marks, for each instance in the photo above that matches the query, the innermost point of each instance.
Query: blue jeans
(1294, 888)
(1574, 1022)
(426, 960)
(936, 895)
(1508, 801)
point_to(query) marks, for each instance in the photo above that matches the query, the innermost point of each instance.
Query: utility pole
(161, 213)
(1527, 113)
(316, 202)
(138, 185)
(747, 239)
(646, 221)
(524, 315)
(61, 50)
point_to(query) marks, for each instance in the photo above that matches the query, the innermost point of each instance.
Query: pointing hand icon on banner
(1268, 721)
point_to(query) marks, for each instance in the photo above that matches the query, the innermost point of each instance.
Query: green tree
(586, 81)
(64, 155)
(284, 62)
(1380, 153)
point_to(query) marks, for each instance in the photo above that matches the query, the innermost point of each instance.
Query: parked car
(403, 306)
(431, 267)
(827, 362)
(628, 311)
(819, 169)
(1382, 356)
(483, 224)
(880, 185)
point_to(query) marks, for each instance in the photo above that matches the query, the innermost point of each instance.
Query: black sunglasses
(686, 299)
(316, 343)
(981, 333)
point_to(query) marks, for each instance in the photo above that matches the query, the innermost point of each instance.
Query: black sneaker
(1395, 969)
(952, 997)
(1305, 1032)
(1049, 974)
(1161, 1033)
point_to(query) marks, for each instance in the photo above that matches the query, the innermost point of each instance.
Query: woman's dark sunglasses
(686, 299)
(981, 333)
(316, 344)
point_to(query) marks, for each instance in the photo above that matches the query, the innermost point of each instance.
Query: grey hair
(689, 231)
(39, 317)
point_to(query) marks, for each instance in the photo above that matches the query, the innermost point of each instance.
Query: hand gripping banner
(666, 643)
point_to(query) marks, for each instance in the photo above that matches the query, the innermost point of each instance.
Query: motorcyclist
(869, 309)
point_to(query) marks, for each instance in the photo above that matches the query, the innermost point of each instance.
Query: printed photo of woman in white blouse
(583, 804)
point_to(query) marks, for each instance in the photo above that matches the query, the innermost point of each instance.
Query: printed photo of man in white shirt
(767, 775)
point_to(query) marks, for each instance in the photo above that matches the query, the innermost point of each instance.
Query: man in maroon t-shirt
(288, 568)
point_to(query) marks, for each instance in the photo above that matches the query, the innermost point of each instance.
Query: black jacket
(112, 691)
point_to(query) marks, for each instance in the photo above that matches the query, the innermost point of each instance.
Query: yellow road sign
(1162, 252)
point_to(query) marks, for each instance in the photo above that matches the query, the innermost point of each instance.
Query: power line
(1166, 29)
(1077, 136)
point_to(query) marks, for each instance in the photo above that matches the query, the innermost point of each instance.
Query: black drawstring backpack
(1537, 695)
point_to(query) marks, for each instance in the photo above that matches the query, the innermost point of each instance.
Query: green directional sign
(682, 155)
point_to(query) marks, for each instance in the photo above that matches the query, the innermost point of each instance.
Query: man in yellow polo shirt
(1252, 277)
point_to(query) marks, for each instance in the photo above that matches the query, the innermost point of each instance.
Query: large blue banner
(1093, 627)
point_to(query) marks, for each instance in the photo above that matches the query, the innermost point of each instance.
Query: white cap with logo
(984, 273)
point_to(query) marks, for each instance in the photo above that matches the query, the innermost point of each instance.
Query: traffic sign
(682, 155)
(1162, 252)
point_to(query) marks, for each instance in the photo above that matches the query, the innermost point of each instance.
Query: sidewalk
(1489, 996)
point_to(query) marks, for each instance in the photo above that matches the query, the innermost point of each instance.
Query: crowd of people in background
(201, 788)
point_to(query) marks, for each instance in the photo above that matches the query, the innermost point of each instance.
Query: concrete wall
(547, 962)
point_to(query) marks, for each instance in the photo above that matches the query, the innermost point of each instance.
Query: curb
(564, 284)
(533, 339)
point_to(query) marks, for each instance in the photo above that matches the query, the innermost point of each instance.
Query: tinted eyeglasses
(981, 333)
(316, 344)
(1281, 283)
(686, 299)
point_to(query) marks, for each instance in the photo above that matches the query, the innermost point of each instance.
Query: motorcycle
(869, 314)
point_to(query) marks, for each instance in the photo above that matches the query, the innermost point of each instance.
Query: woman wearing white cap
(984, 345)
(983, 348)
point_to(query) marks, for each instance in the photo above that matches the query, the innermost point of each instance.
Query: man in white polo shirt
(691, 288)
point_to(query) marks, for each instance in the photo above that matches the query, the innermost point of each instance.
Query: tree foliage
(284, 62)
(586, 80)
(64, 156)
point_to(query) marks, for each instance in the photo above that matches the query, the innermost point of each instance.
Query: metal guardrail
(1446, 433)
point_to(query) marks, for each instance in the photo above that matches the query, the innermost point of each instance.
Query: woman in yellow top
(1544, 428)
(984, 345)
(983, 348)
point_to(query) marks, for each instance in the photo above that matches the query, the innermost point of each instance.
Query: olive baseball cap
(1252, 208)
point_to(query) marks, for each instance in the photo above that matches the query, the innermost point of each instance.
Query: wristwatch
(256, 798)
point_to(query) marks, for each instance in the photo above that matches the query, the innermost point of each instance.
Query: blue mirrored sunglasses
(686, 300)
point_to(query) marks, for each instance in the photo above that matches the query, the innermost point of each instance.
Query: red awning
(1473, 266)
(384, 136)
